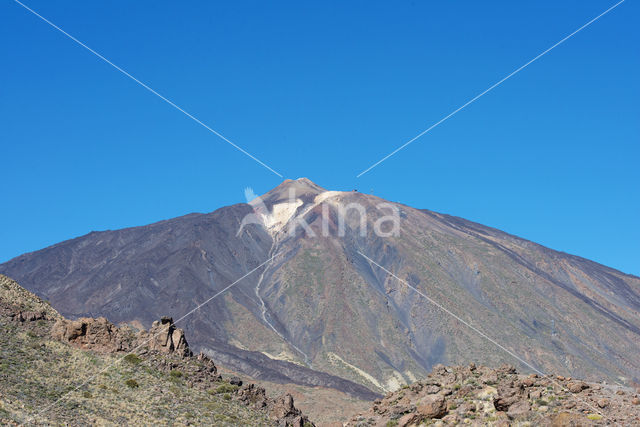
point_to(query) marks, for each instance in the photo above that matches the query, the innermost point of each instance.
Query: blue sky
(323, 90)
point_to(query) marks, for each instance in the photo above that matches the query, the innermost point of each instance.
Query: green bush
(226, 396)
(131, 383)
(175, 374)
(226, 388)
(87, 395)
(133, 359)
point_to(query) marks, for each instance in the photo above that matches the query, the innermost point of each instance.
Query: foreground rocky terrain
(320, 309)
(89, 371)
(479, 395)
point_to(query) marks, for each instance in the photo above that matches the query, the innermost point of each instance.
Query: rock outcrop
(283, 410)
(93, 334)
(165, 337)
(165, 347)
(103, 336)
(29, 316)
(481, 395)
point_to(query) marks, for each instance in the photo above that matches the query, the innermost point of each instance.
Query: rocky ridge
(480, 395)
(162, 350)
(165, 347)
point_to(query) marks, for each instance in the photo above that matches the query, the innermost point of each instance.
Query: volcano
(346, 290)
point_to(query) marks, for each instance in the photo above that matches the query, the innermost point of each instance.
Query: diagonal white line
(149, 339)
(472, 100)
(432, 301)
(148, 88)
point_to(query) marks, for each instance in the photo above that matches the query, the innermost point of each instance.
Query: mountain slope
(322, 301)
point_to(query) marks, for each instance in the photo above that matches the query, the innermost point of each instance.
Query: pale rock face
(280, 215)
(277, 215)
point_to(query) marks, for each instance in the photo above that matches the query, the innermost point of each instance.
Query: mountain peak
(302, 183)
(301, 188)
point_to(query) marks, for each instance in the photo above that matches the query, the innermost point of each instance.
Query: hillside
(337, 304)
(57, 371)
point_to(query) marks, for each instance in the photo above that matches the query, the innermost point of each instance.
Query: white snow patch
(280, 215)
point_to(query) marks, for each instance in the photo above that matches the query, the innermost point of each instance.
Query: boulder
(577, 386)
(407, 420)
(431, 389)
(519, 409)
(432, 406)
(506, 397)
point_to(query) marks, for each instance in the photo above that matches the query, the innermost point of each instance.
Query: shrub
(226, 396)
(226, 388)
(132, 358)
(175, 374)
(87, 395)
(131, 383)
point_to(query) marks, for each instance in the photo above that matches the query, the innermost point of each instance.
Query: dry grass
(42, 382)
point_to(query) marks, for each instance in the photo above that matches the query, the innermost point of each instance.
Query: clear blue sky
(323, 89)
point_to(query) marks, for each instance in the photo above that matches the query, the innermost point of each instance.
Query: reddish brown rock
(407, 420)
(432, 406)
(519, 409)
(94, 334)
(30, 316)
(165, 337)
(518, 400)
(253, 396)
(506, 397)
(577, 386)
(286, 414)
